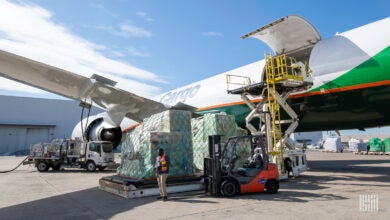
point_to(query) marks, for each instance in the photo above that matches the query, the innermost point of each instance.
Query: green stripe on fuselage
(375, 69)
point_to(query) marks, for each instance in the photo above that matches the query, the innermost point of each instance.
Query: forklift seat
(250, 172)
(245, 175)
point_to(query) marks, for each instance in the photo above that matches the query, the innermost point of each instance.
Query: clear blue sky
(177, 42)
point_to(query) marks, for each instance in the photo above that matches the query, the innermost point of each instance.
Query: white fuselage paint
(329, 59)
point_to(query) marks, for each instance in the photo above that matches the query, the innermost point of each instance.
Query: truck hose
(7, 171)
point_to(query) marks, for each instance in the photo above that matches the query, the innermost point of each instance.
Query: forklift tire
(272, 186)
(228, 188)
(42, 166)
(91, 167)
(101, 168)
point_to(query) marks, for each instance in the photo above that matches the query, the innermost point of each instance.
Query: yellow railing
(279, 69)
(237, 80)
(283, 68)
(276, 70)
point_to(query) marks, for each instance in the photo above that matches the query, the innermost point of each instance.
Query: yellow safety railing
(276, 70)
(283, 68)
(237, 80)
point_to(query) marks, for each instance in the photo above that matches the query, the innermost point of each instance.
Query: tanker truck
(72, 153)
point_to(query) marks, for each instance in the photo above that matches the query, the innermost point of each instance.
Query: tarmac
(333, 188)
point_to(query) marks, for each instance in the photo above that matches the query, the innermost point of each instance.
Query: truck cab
(99, 154)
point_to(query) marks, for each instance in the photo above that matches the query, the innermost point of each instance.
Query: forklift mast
(212, 165)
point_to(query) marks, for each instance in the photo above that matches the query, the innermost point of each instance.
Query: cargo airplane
(350, 71)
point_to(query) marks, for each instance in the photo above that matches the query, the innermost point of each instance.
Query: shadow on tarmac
(96, 204)
(85, 204)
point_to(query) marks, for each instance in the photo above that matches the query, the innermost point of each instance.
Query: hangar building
(25, 121)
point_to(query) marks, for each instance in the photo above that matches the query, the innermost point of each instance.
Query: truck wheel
(91, 167)
(101, 168)
(228, 188)
(42, 166)
(272, 186)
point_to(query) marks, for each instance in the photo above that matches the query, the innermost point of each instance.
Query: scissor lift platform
(252, 89)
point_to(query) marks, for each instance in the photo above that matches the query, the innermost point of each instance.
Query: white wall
(25, 121)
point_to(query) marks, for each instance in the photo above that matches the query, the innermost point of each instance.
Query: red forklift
(239, 166)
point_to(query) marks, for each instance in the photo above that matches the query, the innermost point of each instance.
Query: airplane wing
(118, 103)
(291, 35)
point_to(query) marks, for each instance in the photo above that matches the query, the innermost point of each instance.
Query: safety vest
(163, 162)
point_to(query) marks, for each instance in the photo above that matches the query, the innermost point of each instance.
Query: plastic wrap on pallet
(211, 124)
(386, 142)
(333, 144)
(170, 130)
(168, 121)
(356, 145)
(376, 145)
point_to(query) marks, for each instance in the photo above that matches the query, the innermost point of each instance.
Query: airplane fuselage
(351, 84)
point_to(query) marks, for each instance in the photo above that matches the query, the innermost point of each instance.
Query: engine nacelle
(98, 128)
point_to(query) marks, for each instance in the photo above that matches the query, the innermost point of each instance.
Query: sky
(150, 47)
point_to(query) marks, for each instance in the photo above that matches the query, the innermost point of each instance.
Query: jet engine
(98, 128)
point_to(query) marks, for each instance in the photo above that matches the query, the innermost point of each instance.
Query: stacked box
(376, 145)
(212, 124)
(170, 130)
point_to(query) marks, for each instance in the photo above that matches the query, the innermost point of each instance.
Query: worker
(288, 167)
(162, 169)
(254, 161)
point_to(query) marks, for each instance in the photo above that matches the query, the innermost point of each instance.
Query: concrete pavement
(330, 190)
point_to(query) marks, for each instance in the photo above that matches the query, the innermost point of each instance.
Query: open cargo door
(291, 35)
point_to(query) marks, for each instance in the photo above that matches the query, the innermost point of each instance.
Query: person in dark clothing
(162, 169)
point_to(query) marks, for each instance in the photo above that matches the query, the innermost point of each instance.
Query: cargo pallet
(376, 153)
(372, 153)
(331, 151)
(127, 187)
(361, 153)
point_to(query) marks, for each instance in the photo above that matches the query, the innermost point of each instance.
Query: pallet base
(376, 153)
(372, 153)
(331, 151)
(131, 191)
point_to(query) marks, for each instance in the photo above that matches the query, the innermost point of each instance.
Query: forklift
(240, 166)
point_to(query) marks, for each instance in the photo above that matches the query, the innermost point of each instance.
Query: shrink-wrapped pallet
(212, 124)
(170, 130)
